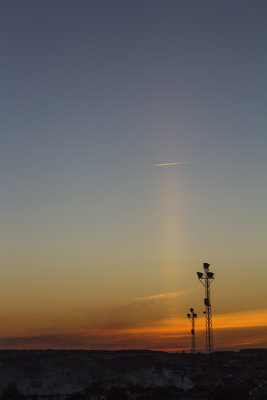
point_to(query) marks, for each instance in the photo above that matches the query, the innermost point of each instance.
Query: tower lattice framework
(206, 279)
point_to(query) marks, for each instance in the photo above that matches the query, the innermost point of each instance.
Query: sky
(99, 242)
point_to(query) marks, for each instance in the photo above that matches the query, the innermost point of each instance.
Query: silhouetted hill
(47, 372)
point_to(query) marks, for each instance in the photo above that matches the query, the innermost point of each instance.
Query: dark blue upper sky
(101, 73)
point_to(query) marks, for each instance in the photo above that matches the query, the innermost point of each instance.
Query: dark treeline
(133, 375)
(229, 389)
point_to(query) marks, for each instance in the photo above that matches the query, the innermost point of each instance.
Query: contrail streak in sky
(166, 164)
(163, 295)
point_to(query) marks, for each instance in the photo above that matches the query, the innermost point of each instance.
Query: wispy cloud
(233, 331)
(168, 164)
(167, 334)
(160, 296)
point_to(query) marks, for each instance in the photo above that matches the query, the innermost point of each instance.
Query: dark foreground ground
(136, 375)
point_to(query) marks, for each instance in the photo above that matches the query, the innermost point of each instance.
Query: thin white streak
(167, 164)
(162, 296)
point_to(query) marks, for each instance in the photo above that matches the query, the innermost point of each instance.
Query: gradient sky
(100, 247)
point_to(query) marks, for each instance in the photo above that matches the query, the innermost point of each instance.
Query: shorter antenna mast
(192, 316)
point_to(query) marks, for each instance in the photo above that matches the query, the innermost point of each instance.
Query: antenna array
(206, 279)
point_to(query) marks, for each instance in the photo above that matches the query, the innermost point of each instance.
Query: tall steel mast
(206, 279)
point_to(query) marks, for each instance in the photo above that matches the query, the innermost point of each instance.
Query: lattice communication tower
(206, 279)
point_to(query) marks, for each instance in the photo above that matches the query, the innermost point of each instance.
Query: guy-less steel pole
(192, 316)
(206, 279)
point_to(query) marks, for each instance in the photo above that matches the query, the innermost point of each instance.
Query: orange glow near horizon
(171, 330)
(231, 331)
(176, 326)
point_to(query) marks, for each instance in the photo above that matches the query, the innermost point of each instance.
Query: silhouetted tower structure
(192, 316)
(206, 279)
